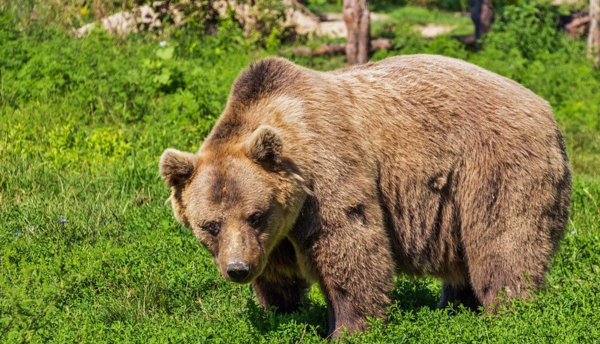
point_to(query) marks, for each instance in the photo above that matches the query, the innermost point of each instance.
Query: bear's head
(239, 199)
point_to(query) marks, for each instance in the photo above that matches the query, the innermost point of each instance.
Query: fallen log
(331, 49)
(578, 27)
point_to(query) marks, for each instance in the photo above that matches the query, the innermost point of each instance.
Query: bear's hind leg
(510, 227)
(462, 294)
(507, 257)
(497, 280)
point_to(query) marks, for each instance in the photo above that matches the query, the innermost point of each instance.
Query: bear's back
(444, 80)
(423, 101)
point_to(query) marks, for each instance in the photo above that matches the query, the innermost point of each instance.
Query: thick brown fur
(422, 165)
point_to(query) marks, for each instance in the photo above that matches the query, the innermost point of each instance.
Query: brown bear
(422, 165)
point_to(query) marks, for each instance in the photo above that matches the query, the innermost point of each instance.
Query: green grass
(82, 124)
(404, 20)
(406, 17)
(411, 15)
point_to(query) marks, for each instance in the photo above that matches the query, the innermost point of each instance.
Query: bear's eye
(256, 219)
(211, 227)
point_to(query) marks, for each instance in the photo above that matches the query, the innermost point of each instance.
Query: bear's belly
(423, 223)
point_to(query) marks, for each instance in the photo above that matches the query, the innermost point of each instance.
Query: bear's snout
(238, 271)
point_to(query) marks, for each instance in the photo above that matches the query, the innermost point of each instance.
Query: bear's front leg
(353, 259)
(280, 285)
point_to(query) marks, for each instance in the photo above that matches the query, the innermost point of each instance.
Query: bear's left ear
(176, 167)
(265, 146)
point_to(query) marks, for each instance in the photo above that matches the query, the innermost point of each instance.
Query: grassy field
(90, 252)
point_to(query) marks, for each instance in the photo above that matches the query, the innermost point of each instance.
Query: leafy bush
(527, 30)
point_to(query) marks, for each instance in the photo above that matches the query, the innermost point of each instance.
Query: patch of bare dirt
(328, 24)
(434, 30)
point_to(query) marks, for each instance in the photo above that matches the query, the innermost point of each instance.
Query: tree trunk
(482, 14)
(594, 35)
(358, 22)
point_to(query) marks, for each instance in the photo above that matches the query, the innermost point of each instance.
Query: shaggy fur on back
(423, 165)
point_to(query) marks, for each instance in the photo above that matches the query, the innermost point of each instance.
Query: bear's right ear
(265, 146)
(176, 167)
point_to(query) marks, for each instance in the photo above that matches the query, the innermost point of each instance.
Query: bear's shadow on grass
(408, 294)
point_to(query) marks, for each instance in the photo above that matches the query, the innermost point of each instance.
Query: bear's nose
(238, 271)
